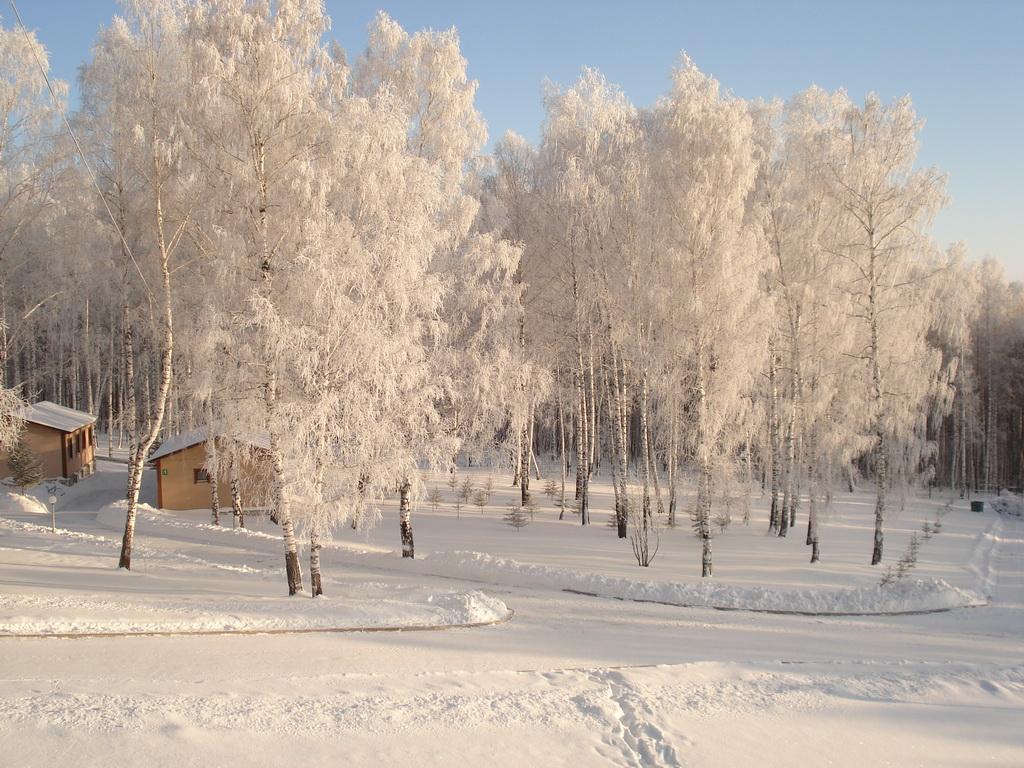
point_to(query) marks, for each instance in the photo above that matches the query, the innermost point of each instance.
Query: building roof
(57, 416)
(199, 435)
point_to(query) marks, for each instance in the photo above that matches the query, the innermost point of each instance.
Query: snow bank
(469, 607)
(18, 504)
(112, 515)
(70, 615)
(903, 597)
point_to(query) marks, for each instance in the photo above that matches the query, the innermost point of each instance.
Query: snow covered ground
(183, 587)
(571, 679)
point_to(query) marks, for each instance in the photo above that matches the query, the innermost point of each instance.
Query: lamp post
(54, 491)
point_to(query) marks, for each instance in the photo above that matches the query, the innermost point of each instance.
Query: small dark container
(977, 506)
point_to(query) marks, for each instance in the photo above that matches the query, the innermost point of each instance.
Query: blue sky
(962, 62)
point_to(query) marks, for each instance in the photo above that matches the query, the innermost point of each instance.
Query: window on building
(200, 476)
(71, 448)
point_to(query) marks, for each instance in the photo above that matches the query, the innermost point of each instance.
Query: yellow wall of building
(177, 487)
(48, 444)
(81, 456)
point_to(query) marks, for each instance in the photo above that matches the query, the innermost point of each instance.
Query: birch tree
(423, 75)
(266, 75)
(147, 42)
(886, 205)
(28, 116)
(705, 171)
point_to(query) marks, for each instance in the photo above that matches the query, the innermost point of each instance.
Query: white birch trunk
(405, 519)
(139, 452)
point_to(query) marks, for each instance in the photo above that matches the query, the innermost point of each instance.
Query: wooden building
(61, 437)
(182, 480)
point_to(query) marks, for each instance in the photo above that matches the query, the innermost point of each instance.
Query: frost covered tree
(288, 244)
(28, 167)
(954, 298)
(468, 346)
(585, 128)
(28, 172)
(886, 204)
(266, 80)
(704, 169)
(810, 344)
(147, 44)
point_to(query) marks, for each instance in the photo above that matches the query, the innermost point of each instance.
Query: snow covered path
(572, 680)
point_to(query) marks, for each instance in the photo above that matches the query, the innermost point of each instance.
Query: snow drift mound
(18, 504)
(64, 615)
(906, 596)
(113, 515)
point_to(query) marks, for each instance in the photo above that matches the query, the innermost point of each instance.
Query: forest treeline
(241, 226)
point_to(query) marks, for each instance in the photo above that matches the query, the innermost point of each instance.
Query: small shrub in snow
(516, 517)
(644, 538)
(489, 488)
(452, 480)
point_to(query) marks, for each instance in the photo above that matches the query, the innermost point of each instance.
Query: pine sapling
(25, 466)
(550, 489)
(434, 497)
(723, 520)
(909, 559)
(516, 517)
(905, 564)
(480, 499)
(888, 576)
(531, 506)
(466, 490)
